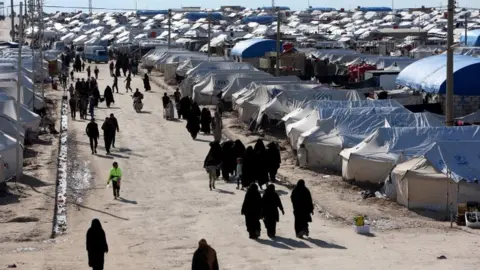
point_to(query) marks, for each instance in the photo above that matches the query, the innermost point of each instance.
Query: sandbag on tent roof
(298, 124)
(251, 103)
(448, 172)
(195, 61)
(29, 119)
(384, 148)
(205, 91)
(330, 136)
(285, 102)
(240, 83)
(310, 106)
(8, 149)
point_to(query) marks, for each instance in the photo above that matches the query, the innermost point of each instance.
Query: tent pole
(209, 33)
(18, 173)
(277, 58)
(169, 26)
(449, 90)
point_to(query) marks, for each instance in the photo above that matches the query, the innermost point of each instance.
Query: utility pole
(40, 40)
(32, 45)
(209, 33)
(277, 57)
(12, 16)
(90, 7)
(169, 27)
(466, 29)
(449, 92)
(18, 172)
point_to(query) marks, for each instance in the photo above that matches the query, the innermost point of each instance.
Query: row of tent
(29, 102)
(374, 141)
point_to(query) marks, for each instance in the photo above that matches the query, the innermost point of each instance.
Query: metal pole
(12, 17)
(277, 57)
(466, 29)
(449, 96)
(169, 26)
(209, 33)
(18, 173)
(40, 28)
(32, 45)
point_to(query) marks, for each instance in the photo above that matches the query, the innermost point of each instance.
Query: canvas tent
(239, 83)
(29, 119)
(8, 153)
(387, 146)
(325, 141)
(448, 172)
(206, 90)
(28, 98)
(186, 65)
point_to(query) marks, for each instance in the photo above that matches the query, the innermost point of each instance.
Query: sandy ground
(167, 207)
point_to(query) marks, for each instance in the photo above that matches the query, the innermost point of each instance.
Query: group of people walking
(110, 128)
(255, 208)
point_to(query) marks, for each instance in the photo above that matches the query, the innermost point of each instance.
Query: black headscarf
(239, 149)
(252, 204)
(302, 199)
(96, 239)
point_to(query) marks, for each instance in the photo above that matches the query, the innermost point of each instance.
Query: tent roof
(253, 48)
(473, 38)
(429, 75)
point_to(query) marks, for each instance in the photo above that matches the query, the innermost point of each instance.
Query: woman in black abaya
(205, 120)
(193, 125)
(302, 208)
(270, 204)
(261, 173)
(108, 95)
(248, 168)
(96, 245)
(252, 210)
(273, 160)
(229, 162)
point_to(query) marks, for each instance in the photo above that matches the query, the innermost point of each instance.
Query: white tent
(325, 141)
(205, 91)
(9, 155)
(29, 119)
(447, 173)
(315, 105)
(387, 146)
(27, 97)
(239, 83)
(195, 61)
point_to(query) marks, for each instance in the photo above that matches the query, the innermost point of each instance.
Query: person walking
(111, 67)
(217, 126)
(128, 80)
(205, 121)
(115, 83)
(273, 160)
(302, 208)
(115, 177)
(91, 107)
(89, 72)
(96, 71)
(212, 163)
(93, 135)
(205, 257)
(83, 67)
(108, 95)
(270, 204)
(108, 131)
(252, 210)
(116, 128)
(165, 101)
(146, 83)
(73, 106)
(97, 245)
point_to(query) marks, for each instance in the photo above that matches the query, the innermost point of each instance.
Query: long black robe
(214, 156)
(273, 160)
(196, 110)
(229, 162)
(108, 95)
(185, 106)
(252, 210)
(302, 206)
(108, 133)
(203, 257)
(270, 204)
(146, 83)
(206, 120)
(96, 245)
(193, 125)
(248, 168)
(261, 173)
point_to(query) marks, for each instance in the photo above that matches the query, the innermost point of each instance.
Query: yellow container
(359, 220)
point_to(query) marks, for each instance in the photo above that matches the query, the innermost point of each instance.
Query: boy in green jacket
(115, 176)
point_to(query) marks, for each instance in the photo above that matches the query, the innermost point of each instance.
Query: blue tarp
(322, 9)
(193, 16)
(279, 7)
(375, 9)
(151, 12)
(259, 19)
(430, 75)
(256, 47)
(473, 38)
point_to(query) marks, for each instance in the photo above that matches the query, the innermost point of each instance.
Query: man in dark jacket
(108, 131)
(116, 129)
(93, 135)
(205, 257)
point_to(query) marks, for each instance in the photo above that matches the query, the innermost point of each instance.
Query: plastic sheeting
(387, 146)
(329, 137)
(9, 154)
(29, 119)
(473, 38)
(240, 83)
(429, 74)
(185, 66)
(205, 91)
(252, 48)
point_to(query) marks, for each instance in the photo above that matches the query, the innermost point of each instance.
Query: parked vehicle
(95, 53)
